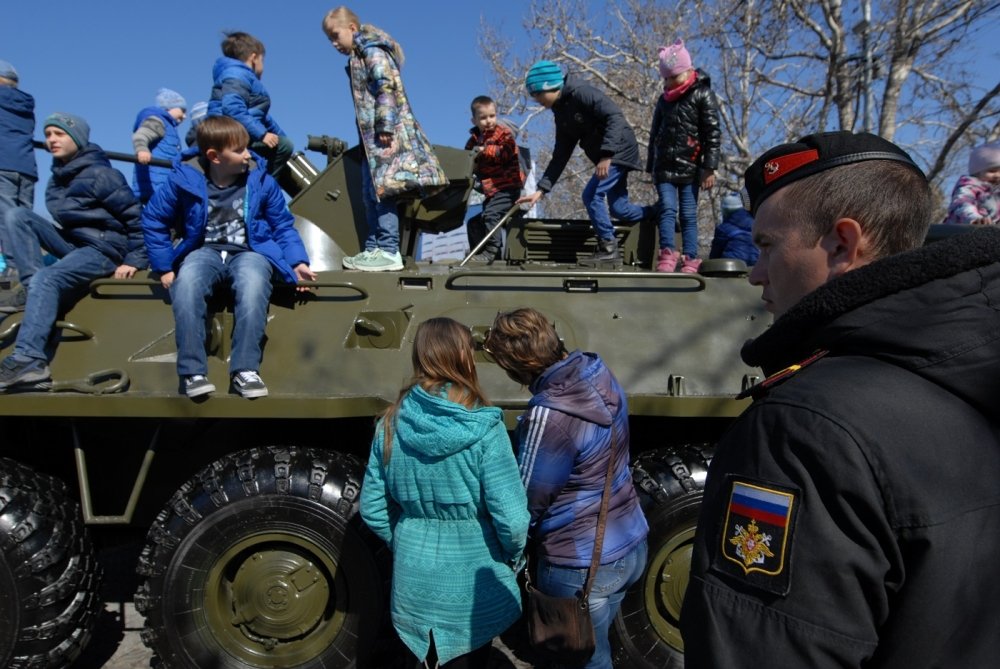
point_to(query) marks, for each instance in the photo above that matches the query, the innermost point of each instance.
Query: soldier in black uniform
(852, 514)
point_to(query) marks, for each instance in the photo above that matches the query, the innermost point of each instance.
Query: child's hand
(270, 140)
(143, 157)
(707, 179)
(530, 199)
(124, 272)
(167, 279)
(383, 139)
(304, 273)
(602, 168)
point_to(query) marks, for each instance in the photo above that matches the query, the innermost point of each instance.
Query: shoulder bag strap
(602, 519)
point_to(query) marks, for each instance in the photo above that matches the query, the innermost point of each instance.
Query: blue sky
(104, 60)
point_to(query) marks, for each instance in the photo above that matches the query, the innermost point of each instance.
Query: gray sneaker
(12, 301)
(249, 384)
(197, 385)
(15, 371)
(349, 261)
(379, 261)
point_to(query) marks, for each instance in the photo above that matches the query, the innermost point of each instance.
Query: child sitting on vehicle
(154, 135)
(237, 231)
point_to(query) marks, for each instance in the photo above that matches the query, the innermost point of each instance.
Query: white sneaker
(349, 261)
(379, 261)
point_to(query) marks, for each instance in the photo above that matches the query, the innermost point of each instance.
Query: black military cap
(812, 154)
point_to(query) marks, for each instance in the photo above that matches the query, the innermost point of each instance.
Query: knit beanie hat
(674, 59)
(544, 76)
(74, 126)
(7, 71)
(984, 157)
(731, 202)
(169, 99)
(198, 112)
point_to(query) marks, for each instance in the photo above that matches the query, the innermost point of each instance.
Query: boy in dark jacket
(588, 117)
(238, 92)
(236, 231)
(684, 145)
(498, 170)
(18, 172)
(95, 233)
(154, 135)
(734, 236)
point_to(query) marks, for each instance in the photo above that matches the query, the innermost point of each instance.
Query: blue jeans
(610, 584)
(685, 198)
(608, 197)
(51, 289)
(16, 190)
(248, 275)
(382, 216)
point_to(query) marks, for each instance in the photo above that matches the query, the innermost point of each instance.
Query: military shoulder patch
(756, 537)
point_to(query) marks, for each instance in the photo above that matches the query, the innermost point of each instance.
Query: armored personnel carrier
(255, 555)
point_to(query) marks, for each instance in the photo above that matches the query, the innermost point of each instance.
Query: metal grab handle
(489, 235)
(500, 277)
(96, 383)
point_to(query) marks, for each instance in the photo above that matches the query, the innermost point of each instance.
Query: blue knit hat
(169, 99)
(7, 71)
(199, 110)
(544, 76)
(74, 126)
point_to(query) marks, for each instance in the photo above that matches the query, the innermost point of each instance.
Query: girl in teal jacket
(442, 489)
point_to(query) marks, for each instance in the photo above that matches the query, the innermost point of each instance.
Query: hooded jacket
(878, 459)
(565, 442)
(95, 206)
(147, 178)
(17, 128)
(586, 116)
(685, 135)
(734, 239)
(452, 509)
(183, 201)
(238, 92)
(382, 106)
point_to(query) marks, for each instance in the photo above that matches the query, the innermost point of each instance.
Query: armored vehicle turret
(255, 555)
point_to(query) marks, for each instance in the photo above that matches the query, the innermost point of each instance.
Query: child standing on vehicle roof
(154, 135)
(238, 92)
(18, 172)
(95, 233)
(976, 198)
(236, 232)
(684, 144)
(498, 170)
(586, 116)
(400, 158)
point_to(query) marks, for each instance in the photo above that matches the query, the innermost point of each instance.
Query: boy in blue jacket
(238, 92)
(236, 230)
(734, 236)
(18, 172)
(94, 233)
(154, 135)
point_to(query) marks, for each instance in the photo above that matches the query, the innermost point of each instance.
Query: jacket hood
(370, 36)
(934, 311)
(16, 101)
(190, 172)
(231, 67)
(436, 427)
(580, 385)
(92, 154)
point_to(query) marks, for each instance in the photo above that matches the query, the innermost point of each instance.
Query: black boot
(606, 254)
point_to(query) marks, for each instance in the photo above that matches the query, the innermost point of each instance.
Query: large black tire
(261, 560)
(670, 484)
(49, 575)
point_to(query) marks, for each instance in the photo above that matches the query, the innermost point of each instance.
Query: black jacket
(870, 476)
(685, 135)
(587, 116)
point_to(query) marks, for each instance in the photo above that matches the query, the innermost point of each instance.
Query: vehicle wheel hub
(279, 595)
(666, 581)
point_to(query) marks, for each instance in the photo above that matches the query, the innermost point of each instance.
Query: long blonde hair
(342, 16)
(443, 356)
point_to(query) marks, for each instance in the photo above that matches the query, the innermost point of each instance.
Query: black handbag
(559, 628)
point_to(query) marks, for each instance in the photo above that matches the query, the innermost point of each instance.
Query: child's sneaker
(249, 384)
(12, 301)
(349, 261)
(15, 371)
(690, 265)
(197, 385)
(667, 260)
(379, 261)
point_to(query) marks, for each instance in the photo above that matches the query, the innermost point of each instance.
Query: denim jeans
(51, 289)
(16, 190)
(608, 197)
(248, 275)
(685, 198)
(382, 216)
(610, 584)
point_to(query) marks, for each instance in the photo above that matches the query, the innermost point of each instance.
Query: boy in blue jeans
(238, 92)
(18, 172)
(95, 233)
(236, 230)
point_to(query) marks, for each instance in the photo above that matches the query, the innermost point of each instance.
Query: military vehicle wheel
(670, 484)
(260, 560)
(49, 575)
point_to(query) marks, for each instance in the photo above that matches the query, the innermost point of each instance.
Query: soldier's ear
(846, 246)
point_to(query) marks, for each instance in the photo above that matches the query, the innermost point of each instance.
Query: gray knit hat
(74, 126)
(169, 99)
(7, 71)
